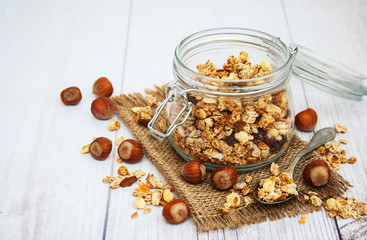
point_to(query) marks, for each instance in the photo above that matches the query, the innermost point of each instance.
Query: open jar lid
(329, 75)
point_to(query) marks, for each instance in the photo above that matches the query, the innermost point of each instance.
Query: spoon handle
(321, 137)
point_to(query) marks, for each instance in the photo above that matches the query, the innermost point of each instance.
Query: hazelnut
(102, 87)
(224, 178)
(175, 211)
(130, 151)
(194, 171)
(100, 148)
(71, 96)
(102, 108)
(317, 173)
(306, 120)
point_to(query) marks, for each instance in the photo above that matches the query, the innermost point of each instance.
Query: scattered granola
(352, 160)
(246, 190)
(85, 149)
(224, 208)
(340, 128)
(134, 215)
(303, 220)
(151, 100)
(247, 201)
(107, 179)
(239, 186)
(168, 186)
(113, 125)
(154, 182)
(114, 185)
(234, 199)
(147, 210)
(138, 173)
(156, 197)
(167, 195)
(316, 201)
(123, 171)
(345, 207)
(139, 203)
(334, 154)
(234, 132)
(119, 140)
(119, 160)
(143, 114)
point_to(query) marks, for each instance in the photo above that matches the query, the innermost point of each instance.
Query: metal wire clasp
(169, 98)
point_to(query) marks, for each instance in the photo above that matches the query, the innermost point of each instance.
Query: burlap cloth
(203, 200)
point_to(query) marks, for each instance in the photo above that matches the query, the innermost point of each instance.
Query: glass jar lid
(329, 75)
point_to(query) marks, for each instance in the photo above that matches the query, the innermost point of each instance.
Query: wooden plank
(336, 32)
(49, 189)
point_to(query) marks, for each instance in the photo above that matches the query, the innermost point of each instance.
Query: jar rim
(238, 31)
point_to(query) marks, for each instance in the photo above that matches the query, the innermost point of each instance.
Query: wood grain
(49, 189)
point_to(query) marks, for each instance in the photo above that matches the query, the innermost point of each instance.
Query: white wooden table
(49, 190)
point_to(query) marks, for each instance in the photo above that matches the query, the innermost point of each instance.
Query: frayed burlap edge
(202, 199)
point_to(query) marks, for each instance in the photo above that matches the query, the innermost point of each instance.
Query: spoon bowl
(256, 190)
(321, 137)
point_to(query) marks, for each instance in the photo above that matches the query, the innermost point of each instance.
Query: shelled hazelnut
(71, 96)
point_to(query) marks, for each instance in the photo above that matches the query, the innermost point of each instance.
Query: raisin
(239, 125)
(230, 140)
(127, 182)
(260, 135)
(192, 99)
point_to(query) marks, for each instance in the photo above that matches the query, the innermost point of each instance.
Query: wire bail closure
(170, 97)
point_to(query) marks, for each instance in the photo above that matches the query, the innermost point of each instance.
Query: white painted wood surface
(49, 190)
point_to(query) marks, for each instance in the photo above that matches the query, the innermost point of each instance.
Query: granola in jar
(238, 113)
(239, 131)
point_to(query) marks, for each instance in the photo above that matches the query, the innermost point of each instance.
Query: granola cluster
(236, 68)
(235, 131)
(346, 207)
(332, 151)
(276, 188)
(234, 199)
(145, 114)
(151, 192)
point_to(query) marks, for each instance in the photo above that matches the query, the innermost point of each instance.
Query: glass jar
(244, 123)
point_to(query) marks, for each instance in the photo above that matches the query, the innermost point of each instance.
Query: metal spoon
(321, 137)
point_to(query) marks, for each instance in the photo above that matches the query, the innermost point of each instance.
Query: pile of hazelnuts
(102, 108)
